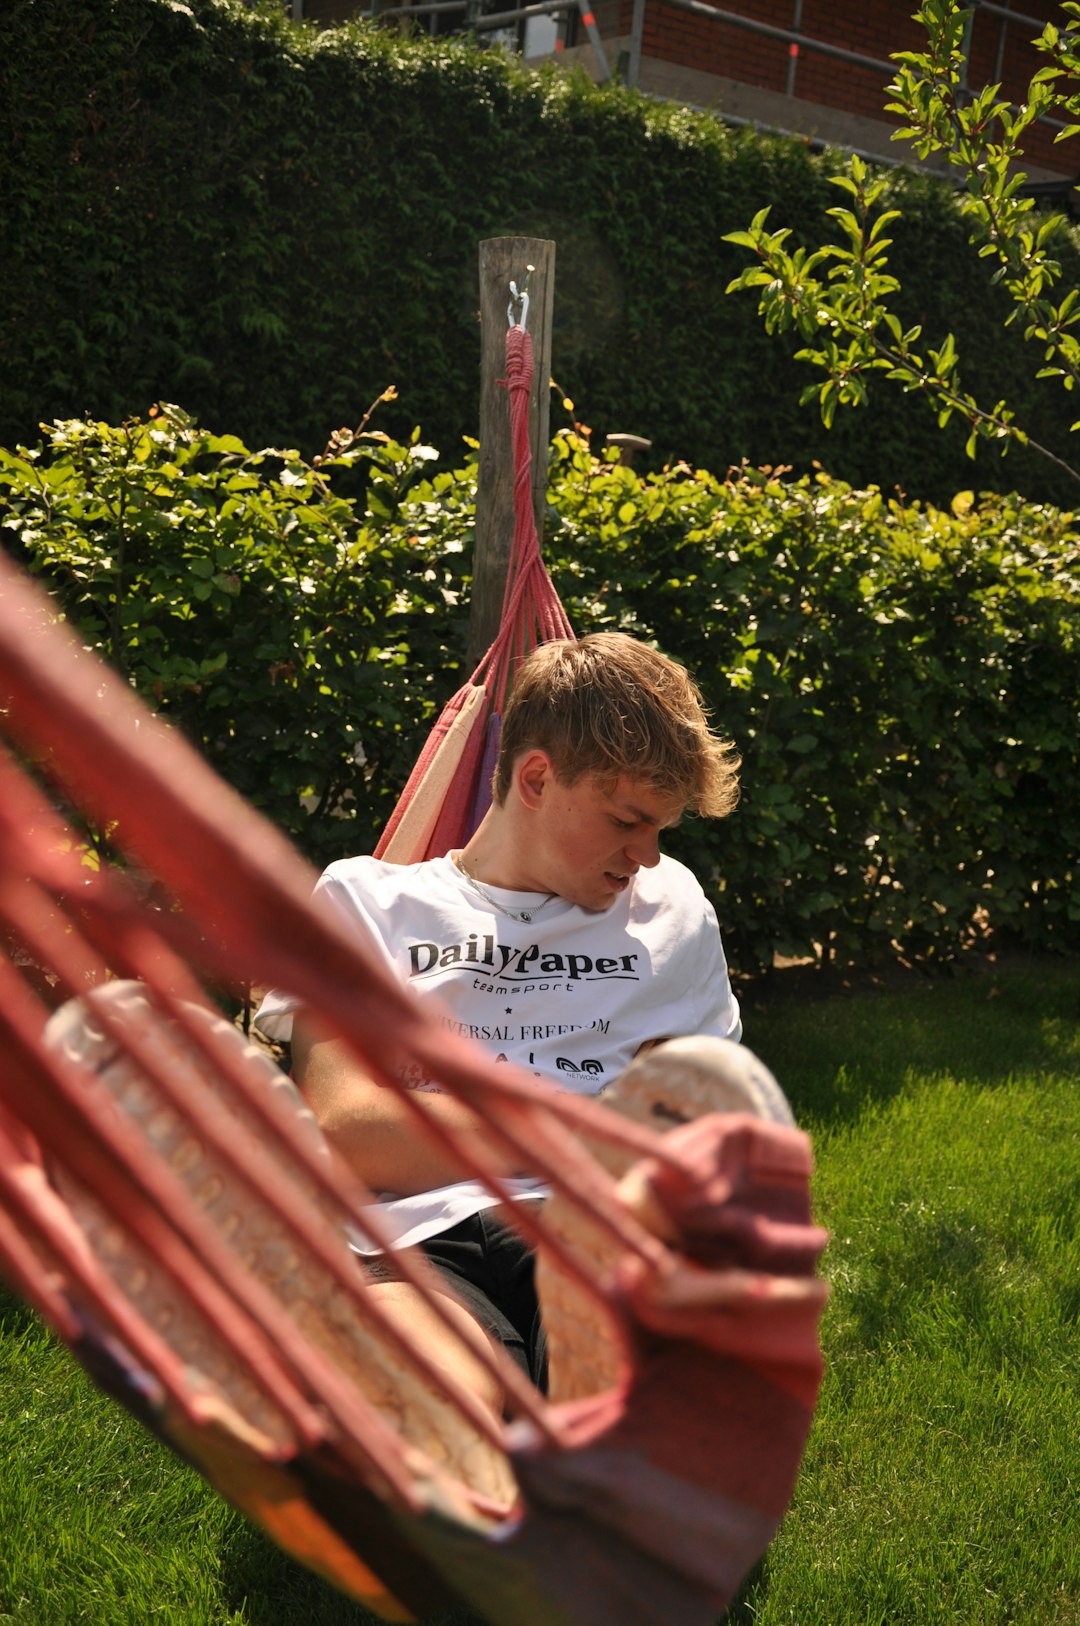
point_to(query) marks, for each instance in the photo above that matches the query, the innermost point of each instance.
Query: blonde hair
(609, 706)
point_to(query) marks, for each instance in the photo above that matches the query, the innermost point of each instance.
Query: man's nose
(644, 849)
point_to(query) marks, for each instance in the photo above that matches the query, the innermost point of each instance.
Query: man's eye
(623, 824)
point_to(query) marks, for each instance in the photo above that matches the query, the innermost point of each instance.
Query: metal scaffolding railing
(478, 23)
(796, 40)
(789, 36)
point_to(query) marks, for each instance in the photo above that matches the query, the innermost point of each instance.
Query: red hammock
(449, 790)
(170, 1212)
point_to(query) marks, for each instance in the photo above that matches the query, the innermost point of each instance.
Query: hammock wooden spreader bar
(170, 1208)
(449, 789)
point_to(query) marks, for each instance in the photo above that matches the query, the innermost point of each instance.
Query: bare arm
(373, 1128)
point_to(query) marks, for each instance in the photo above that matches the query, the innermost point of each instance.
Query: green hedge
(902, 681)
(201, 202)
(300, 638)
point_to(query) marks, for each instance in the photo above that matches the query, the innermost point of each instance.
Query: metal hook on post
(500, 259)
(521, 300)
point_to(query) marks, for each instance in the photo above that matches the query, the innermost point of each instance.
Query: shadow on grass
(984, 1026)
(747, 1603)
(265, 1587)
(894, 1294)
(15, 1314)
(891, 1302)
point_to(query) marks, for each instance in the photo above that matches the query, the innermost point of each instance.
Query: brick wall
(873, 28)
(999, 50)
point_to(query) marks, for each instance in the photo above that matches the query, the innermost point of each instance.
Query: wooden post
(503, 260)
(637, 33)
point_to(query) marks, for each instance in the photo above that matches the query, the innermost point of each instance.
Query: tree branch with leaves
(839, 298)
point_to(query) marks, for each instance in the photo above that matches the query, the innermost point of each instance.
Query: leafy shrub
(300, 638)
(901, 680)
(200, 202)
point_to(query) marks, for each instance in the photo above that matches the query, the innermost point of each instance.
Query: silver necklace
(524, 915)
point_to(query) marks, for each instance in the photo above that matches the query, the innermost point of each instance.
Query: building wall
(786, 85)
(999, 51)
(325, 12)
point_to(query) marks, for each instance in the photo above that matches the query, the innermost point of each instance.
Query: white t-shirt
(570, 994)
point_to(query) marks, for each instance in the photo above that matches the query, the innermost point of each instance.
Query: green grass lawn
(942, 1480)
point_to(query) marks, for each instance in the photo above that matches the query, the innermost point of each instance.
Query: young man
(559, 937)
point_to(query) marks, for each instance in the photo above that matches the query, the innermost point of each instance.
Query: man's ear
(533, 775)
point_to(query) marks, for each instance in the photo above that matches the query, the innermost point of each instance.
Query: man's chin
(601, 900)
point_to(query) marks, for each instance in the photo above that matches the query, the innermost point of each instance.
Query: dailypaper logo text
(496, 963)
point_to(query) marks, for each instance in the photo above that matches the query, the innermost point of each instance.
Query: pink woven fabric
(451, 751)
(531, 614)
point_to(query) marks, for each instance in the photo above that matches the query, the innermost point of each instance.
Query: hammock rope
(449, 790)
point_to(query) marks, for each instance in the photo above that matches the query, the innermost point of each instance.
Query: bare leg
(458, 1358)
(456, 1443)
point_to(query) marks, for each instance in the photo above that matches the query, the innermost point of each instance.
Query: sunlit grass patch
(941, 1480)
(942, 1477)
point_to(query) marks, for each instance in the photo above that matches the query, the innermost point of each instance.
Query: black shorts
(490, 1268)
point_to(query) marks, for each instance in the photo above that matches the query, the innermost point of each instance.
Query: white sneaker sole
(671, 1084)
